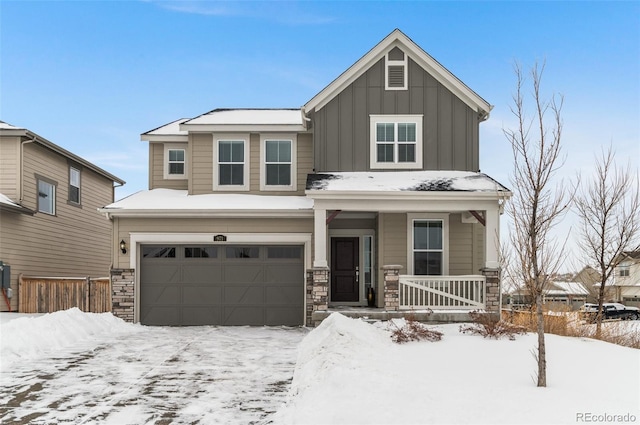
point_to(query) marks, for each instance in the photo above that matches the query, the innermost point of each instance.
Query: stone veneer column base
(391, 287)
(123, 294)
(492, 300)
(317, 293)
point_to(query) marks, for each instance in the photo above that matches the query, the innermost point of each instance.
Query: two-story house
(278, 216)
(49, 219)
(626, 281)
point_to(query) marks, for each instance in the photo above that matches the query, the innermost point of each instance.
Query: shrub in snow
(491, 326)
(412, 330)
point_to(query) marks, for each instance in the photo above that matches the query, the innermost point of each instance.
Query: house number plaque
(219, 238)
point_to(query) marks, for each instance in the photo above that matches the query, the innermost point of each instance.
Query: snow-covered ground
(347, 372)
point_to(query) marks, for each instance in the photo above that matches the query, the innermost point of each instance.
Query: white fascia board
(206, 213)
(407, 205)
(426, 61)
(164, 137)
(244, 128)
(408, 195)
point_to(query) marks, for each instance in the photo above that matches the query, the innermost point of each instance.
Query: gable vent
(396, 70)
(395, 74)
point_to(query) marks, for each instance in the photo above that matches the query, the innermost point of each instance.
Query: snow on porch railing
(442, 292)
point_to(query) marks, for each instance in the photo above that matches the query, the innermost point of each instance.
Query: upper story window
(396, 141)
(278, 167)
(231, 158)
(46, 195)
(396, 73)
(74, 185)
(175, 161)
(623, 270)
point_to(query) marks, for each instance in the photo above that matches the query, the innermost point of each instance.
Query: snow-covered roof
(173, 128)
(7, 204)
(573, 288)
(179, 202)
(419, 181)
(249, 117)
(7, 126)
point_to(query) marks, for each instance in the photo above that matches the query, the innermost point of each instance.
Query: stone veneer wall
(391, 287)
(492, 301)
(123, 294)
(317, 293)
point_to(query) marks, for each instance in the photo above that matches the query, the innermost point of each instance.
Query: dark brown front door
(344, 266)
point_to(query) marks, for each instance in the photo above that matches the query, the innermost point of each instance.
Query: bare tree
(608, 209)
(537, 204)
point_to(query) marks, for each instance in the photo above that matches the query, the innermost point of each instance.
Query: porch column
(122, 294)
(391, 287)
(493, 294)
(317, 293)
(320, 238)
(492, 238)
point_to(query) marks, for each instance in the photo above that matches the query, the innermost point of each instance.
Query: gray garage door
(182, 285)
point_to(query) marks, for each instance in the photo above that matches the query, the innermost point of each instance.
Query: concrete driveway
(160, 375)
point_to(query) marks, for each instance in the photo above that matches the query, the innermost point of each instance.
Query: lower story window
(427, 247)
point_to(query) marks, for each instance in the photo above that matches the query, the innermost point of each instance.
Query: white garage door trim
(138, 239)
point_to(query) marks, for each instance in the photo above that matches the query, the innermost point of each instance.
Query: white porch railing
(442, 292)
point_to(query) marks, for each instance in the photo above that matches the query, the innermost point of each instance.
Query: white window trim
(247, 162)
(54, 200)
(167, 148)
(404, 63)
(79, 186)
(293, 138)
(445, 238)
(373, 121)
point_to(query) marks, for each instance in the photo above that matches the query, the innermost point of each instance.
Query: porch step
(380, 314)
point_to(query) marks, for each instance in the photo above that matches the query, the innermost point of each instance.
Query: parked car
(609, 311)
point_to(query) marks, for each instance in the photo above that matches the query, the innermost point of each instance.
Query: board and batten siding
(74, 242)
(124, 226)
(156, 169)
(10, 166)
(450, 127)
(201, 155)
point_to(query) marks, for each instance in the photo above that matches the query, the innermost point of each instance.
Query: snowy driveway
(158, 375)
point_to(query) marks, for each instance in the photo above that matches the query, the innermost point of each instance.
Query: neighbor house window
(74, 185)
(175, 161)
(428, 244)
(46, 196)
(278, 167)
(231, 156)
(624, 270)
(396, 141)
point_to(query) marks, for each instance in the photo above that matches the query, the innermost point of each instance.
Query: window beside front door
(396, 141)
(231, 158)
(428, 244)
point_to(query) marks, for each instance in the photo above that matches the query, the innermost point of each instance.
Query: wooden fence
(49, 294)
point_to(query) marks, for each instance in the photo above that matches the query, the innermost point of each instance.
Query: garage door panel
(284, 273)
(161, 273)
(243, 273)
(199, 316)
(161, 316)
(287, 316)
(201, 295)
(283, 295)
(205, 273)
(160, 294)
(240, 316)
(243, 295)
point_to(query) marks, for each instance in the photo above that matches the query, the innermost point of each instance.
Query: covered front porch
(388, 252)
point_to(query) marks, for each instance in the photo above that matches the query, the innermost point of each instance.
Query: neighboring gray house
(279, 216)
(49, 223)
(626, 283)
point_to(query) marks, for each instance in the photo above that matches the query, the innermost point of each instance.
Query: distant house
(49, 223)
(279, 216)
(626, 284)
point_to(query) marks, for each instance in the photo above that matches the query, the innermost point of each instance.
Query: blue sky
(91, 76)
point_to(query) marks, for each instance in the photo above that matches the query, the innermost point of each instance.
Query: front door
(345, 285)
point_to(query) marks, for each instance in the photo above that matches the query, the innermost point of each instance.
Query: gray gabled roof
(415, 52)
